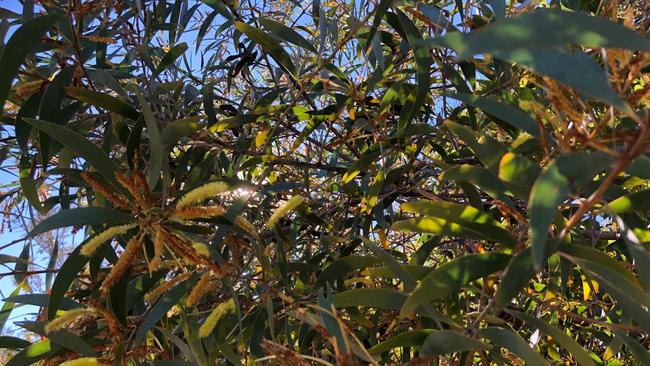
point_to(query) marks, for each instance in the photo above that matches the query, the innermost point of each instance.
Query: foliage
(311, 182)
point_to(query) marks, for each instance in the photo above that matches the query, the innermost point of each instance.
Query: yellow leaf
(586, 290)
(383, 239)
(261, 137)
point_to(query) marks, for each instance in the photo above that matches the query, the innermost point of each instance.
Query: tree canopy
(298, 182)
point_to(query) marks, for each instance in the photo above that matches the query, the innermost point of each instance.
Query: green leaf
(176, 130)
(13, 342)
(619, 282)
(508, 339)
(551, 188)
(283, 32)
(517, 275)
(162, 306)
(103, 100)
(380, 298)
(81, 217)
(23, 264)
(380, 12)
(80, 145)
(576, 70)
(633, 202)
(204, 28)
(8, 307)
(448, 341)
(568, 343)
(54, 94)
(50, 106)
(637, 251)
(400, 271)
(316, 118)
(22, 42)
(51, 266)
(220, 6)
(590, 255)
(519, 173)
(486, 148)
(41, 300)
(155, 166)
(235, 121)
(458, 219)
(548, 28)
(36, 351)
(169, 58)
(453, 275)
(62, 337)
(28, 184)
(640, 167)
(639, 351)
(423, 72)
(68, 272)
(406, 339)
(506, 112)
(480, 177)
(269, 45)
(360, 165)
(343, 266)
(396, 268)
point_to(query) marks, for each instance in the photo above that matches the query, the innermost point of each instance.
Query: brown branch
(619, 165)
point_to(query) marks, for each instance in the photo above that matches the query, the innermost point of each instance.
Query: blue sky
(7, 283)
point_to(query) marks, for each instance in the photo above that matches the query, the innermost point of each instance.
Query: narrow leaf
(81, 217)
(22, 42)
(80, 145)
(452, 276)
(169, 58)
(269, 45)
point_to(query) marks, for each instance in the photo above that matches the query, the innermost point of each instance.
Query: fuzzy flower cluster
(96, 241)
(67, 318)
(292, 203)
(211, 322)
(202, 193)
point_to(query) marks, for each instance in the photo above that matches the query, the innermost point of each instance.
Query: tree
(307, 182)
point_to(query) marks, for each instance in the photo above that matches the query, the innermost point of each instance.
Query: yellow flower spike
(199, 194)
(67, 318)
(222, 309)
(292, 203)
(200, 289)
(96, 241)
(187, 213)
